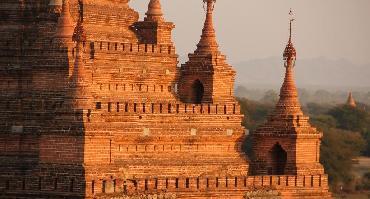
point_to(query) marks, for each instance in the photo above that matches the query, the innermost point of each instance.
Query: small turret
(207, 77)
(65, 26)
(154, 29)
(287, 144)
(154, 11)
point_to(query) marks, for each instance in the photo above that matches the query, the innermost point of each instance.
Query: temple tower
(287, 144)
(351, 101)
(154, 29)
(206, 77)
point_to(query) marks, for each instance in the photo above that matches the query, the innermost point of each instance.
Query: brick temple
(94, 105)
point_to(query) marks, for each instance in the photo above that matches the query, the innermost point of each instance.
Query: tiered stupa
(287, 144)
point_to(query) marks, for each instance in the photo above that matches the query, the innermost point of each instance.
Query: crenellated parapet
(181, 186)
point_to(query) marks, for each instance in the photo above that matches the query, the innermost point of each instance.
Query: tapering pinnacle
(65, 22)
(208, 43)
(351, 101)
(288, 103)
(290, 53)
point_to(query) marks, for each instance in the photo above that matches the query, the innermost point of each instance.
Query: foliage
(270, 97)
(338, 149)
(349, 118)
(255, 113)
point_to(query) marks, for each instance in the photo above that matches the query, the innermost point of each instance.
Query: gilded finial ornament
(290, 52)
(209, 8)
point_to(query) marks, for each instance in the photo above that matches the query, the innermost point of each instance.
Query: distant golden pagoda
(351, 101)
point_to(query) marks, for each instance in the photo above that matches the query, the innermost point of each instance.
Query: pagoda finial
(208, 43)
(65, 22)
(290, 53)
(154, 11)
(288, 103)
(351, 101)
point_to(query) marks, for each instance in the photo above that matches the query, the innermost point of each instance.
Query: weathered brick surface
(94, 105)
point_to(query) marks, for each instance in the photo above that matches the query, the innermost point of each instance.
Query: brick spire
(351, 101)
(208, 43)
(154, 11)
(65, 23)
(79, 80)
(79, 36)
(288, 103)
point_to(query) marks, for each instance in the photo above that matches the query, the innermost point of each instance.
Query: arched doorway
(278, 160)
(198, 91)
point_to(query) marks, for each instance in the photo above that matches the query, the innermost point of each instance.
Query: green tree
(350, 118)
(338, 149)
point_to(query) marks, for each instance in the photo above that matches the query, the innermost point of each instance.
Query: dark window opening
(278, 160)
(187, 183)
(169, 49)
(93, 186)
(103, 186)
(92, 50)
(71, 185)
(109, 106)
(7, 185)
(55, 183)
(177, 183)
(98, 105)
(23, 184)
(198, 92)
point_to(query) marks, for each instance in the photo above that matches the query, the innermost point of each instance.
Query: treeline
(346, 136)
(306, 95)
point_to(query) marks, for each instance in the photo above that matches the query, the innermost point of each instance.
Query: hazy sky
(253, 29)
